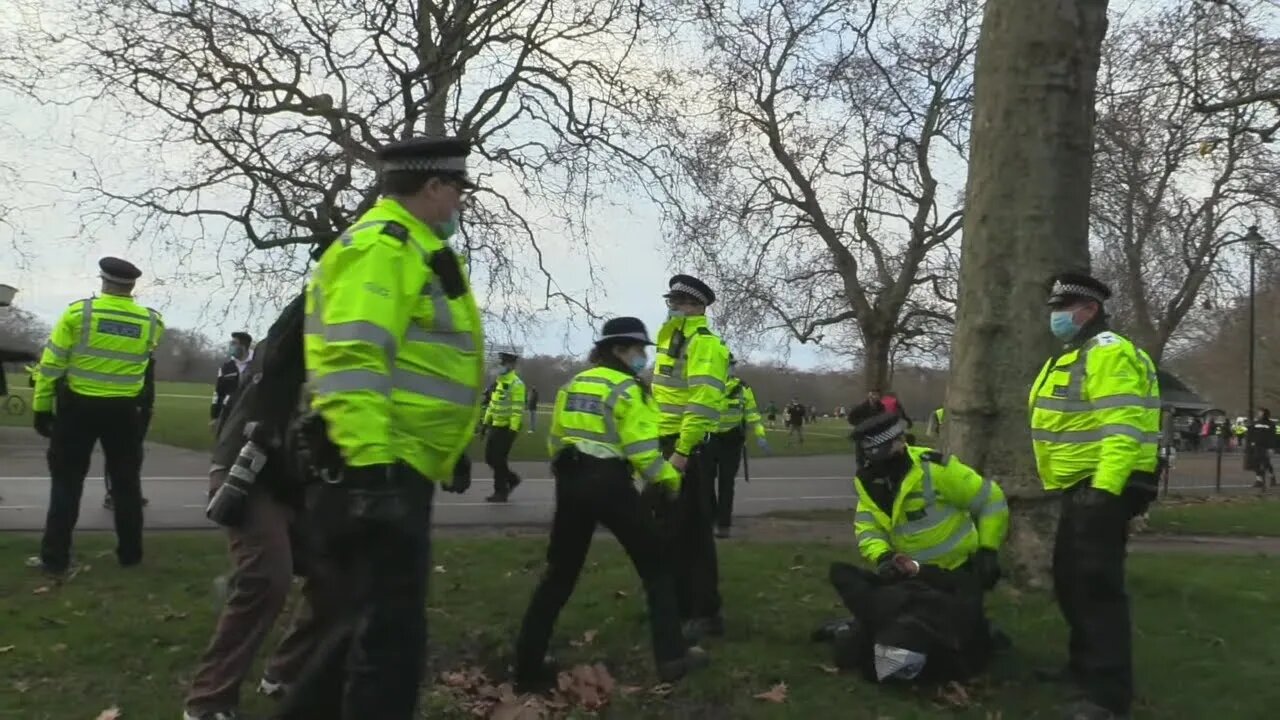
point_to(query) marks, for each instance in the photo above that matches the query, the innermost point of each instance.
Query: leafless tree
(1174, 188)
(814, 137)
(262, 120)
(1225, 29)
(1027, 218)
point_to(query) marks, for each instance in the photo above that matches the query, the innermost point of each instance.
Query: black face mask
(891, 467)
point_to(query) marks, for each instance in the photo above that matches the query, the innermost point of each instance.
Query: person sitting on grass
(930, 527)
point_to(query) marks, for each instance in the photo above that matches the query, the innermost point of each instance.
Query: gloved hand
(1092, 497)
(763, 444)
(895, 566)
(461, 481)
(658, 494)
(44, 423)
(986, 563)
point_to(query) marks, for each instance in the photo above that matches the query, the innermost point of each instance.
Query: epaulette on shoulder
(935, 457)
(396, 230)
(1103, 339)
(704, 331)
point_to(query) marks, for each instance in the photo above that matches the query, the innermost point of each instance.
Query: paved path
(176, 481)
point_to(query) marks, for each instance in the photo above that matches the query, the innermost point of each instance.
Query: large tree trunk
(875, 360)
(1026, 217)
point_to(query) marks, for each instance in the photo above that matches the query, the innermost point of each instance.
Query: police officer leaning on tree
(1095, 426)
(604, 432)
(92, 375)
(689, 377)
(394, 352)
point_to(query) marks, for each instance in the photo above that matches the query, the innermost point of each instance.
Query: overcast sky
(60, 236)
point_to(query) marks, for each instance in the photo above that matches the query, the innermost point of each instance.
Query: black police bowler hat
(1067, 287)
(692, 287)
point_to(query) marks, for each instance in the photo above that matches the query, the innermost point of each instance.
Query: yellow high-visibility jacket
(740, 409)
(101, 346)
(943, 512)
(1095, 413)
(394, 345)
(689, 380)
(506, 404)
(604, 413)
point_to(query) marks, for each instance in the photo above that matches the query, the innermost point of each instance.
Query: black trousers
(144, 423)
(80, 424)
(591, 491)
(728, 452)
(691, 547)
(372, 559)
(1088, 581)
(939, 613)
(497, 448)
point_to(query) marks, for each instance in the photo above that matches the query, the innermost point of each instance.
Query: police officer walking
(92, 373)
(394, 352)
(1095, 425)
(502, 419)
(604, 432)
(689, 381)
(740, 413)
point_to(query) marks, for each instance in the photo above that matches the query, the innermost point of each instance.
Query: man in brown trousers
(255, 494)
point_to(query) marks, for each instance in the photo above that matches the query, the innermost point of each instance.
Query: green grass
(1217, 516)
(184, 422)
(130, 638)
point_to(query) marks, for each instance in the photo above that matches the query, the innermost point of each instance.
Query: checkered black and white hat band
(880, 438)
(690, 290)
(1061, 288)
(440, 164)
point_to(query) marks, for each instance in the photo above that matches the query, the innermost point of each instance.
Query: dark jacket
(224, 388)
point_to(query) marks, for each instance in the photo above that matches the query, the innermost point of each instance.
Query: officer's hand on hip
(679, 462)
(44, 423)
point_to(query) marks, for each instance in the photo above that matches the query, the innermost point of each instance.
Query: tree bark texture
(1027, 217)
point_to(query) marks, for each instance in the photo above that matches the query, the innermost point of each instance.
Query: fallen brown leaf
(662, 690)
(40, 590)
(110, 714)
(629, 689)
(620, 595)
(955, 695)
(828, 669)
(6, 648)
(775, 694)
(516, 711)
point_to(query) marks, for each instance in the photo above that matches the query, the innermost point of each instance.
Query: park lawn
(182, 420)
(1217, 515)
(110, 637)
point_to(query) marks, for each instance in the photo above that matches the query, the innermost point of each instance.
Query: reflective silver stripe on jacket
(1111, 401)
(400, 379)
(1079, 437)
(706, 381)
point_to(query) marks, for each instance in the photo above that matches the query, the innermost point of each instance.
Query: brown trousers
(262, 553)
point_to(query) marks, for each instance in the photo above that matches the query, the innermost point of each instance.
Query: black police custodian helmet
(624, 331)
(120, 272)
(688, 286)
(440, 157)
(1069, 287)
(875, 435)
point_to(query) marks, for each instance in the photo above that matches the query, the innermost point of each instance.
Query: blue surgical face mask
(638, 362)
(673, 313)
(447, 228)
(1063, 324)
(235, 351)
